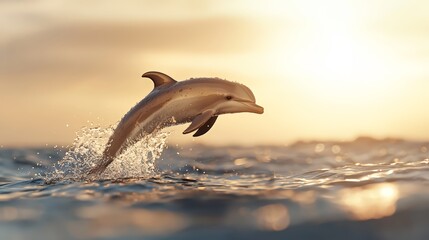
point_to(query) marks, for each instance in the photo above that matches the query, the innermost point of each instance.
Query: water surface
(363, 189)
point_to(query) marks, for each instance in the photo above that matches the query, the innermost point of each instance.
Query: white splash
(137, 161)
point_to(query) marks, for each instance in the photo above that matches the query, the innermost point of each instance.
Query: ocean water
(362, 189)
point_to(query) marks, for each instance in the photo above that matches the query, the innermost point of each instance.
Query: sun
(341, 64)
(333, 57)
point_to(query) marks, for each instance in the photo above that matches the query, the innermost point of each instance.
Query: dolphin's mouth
(251, 106)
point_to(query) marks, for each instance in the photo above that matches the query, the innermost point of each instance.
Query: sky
(325, 70)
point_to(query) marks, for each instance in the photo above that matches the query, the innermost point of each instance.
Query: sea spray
(87, 150)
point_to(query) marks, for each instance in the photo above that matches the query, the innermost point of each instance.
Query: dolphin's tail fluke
(108, 156)
(96, 171)
(100, 167)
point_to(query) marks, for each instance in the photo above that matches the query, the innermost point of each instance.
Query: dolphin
(197, 100)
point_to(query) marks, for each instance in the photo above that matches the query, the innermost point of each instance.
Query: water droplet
(240, 161)
(335, 149)
(319, 148)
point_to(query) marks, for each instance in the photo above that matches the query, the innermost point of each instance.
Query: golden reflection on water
(302, 198)
(274, 217)
(370, 202)
(10, 214)
(107, 221)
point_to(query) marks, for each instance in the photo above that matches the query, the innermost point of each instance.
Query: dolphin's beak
(251, 106)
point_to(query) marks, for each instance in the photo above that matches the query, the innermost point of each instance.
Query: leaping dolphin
(197, 100)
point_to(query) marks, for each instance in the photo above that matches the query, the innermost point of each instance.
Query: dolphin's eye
(228, 97)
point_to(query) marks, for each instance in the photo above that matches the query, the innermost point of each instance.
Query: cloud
(70, 51)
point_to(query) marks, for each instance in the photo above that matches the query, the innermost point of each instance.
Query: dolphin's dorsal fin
(159, 79)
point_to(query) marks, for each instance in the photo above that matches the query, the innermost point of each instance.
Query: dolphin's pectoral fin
(159, 79)
(206, 127)
(199, 121)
